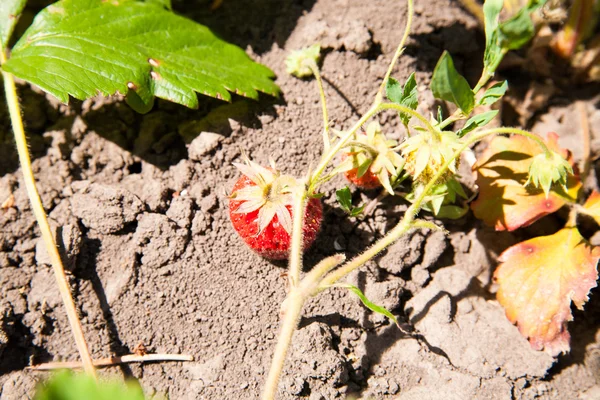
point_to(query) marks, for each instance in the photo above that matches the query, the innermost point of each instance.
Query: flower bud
(297, 63)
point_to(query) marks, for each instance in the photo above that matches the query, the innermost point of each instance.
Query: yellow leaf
(539, 278)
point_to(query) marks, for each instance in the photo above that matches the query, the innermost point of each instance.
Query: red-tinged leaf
(504, 202)
(592, 206)
(539, 278)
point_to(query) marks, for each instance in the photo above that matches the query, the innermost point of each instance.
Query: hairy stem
(299, 207)
(315, 70)
(515, 131)
(40, 215)
(294, 303)
(399, 51)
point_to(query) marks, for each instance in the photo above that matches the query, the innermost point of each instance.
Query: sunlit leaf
(477, 121)
(370, 305)
(404, 95)
(503, 201)
(81, 48)
(10, 11)
(68, 386)
(539, 278)
(447, 84)
(494, 93)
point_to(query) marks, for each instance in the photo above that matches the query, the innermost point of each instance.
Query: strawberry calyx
(372, 153)
(271, 195)
(426, 153)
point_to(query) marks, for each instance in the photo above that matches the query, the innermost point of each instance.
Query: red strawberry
(260, 209)
(371, 160)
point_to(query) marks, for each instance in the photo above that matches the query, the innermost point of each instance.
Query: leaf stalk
(40, 216)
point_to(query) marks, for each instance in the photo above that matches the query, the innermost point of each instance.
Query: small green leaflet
(405, 96)
(68, 386)
(493, 52)
(508, 35)
(371, 306)
(447, 84)
(344, 197)
(452, 211)
(10, 11)
(517, 31)
(441, 198)
(493, 93)
(85, 47)
(477, 121)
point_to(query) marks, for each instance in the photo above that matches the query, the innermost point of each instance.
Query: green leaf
(477, 121)
(10, 11)
(356, 211)
(404, 95)
(68, 386)
(162, 3)
(509, 35)
(440, 115)
(455, 188)
(491, 14)
(452, 211)
(493, 52)
(140, 105)
(370, 305)
(493, 93)
(364, 167)
(344, 197)
(447, 84)
(517, 31)
(82, 47)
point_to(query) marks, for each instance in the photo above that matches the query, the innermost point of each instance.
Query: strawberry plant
(423, 169)
(139, 49)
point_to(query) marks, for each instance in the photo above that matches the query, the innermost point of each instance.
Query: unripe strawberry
(371, 160)
(260, 209)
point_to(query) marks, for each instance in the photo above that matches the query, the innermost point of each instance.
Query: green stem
(40, 215)
(399, 51)
(456, 116)
(517, 131)
(328, 156)
(315, 70)
(297, 239)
